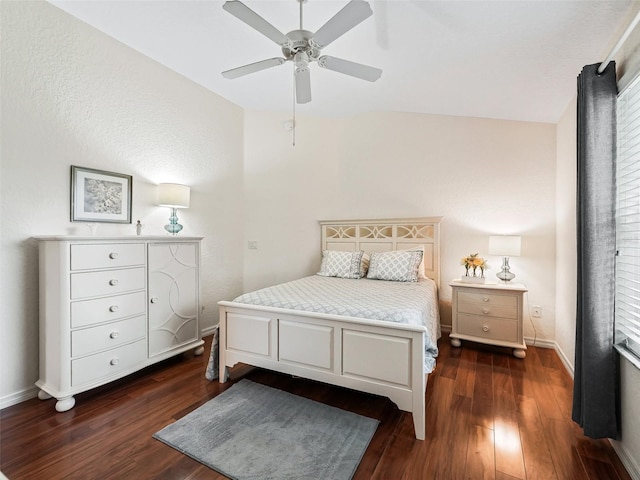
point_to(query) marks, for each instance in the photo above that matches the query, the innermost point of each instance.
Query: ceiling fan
(303, 47)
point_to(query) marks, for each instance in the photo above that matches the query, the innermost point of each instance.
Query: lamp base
(173, 227)
(505, 275)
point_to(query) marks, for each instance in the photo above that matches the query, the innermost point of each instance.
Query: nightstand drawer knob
(114, 361)
(113, 335)
(485, 299)
(485, 328)
(485, 311)
(113, 255)
(113, 282)
(113, 308)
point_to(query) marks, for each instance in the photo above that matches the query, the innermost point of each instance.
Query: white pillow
(341, 264)
(398, 266)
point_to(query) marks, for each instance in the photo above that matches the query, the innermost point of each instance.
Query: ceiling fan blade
(348, 67)
(251, 18)
(303, 85)
(351, 15)
(253, 67)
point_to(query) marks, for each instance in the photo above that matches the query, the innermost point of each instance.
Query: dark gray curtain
(595, 391)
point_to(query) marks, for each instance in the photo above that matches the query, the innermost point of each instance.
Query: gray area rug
(252, 431)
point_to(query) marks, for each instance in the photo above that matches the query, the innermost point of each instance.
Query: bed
(327, 329)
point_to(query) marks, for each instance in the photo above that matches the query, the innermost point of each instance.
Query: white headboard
(382, 235)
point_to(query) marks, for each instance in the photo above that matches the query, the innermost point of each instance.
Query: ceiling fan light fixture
(301, 59)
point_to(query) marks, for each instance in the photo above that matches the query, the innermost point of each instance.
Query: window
(627, 291)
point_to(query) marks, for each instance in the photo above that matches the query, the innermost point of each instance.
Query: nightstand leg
(519, 353)
(456, 342)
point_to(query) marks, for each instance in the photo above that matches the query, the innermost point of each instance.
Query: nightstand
(489, 313)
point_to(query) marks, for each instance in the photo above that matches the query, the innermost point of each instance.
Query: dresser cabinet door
(173, 295)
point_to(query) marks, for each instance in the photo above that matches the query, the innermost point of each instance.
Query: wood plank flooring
(489, 416)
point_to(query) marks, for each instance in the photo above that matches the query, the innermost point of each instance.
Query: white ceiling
(515, 60)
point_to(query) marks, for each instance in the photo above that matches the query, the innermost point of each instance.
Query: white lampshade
(504, 245)
(174, 195)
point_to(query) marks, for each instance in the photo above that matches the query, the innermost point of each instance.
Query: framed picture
(99, 196)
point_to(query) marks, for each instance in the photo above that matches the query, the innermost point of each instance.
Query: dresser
(490, 313)
(110, 306)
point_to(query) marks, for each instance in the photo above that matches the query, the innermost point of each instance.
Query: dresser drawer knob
(485, 310)
(114, 335)
(113, 282)
(154, 300)
(485, 329)
(113, 308)
(113, 255)
(114, 361)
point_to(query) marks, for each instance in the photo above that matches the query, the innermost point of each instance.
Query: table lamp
(174, 196)
(505, 246)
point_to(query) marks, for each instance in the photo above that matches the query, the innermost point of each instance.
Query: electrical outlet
(536, 311)
(253, 244)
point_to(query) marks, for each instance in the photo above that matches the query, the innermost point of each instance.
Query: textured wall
(566, 241)
(484, 176)
(73, 96)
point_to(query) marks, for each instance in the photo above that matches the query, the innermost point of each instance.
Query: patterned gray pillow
(341, 264)
(398, 266)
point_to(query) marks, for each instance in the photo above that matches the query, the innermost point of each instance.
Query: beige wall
(73, 96)
(566, 243)
(484, 176)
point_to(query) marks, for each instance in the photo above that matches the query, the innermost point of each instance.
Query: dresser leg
(42, 395)
(519, 353)
(199, 351)
(65, 404)
(456, 342)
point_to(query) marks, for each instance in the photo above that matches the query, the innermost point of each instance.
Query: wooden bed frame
(338, 350)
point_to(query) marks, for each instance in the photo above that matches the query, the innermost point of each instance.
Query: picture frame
(100, 196)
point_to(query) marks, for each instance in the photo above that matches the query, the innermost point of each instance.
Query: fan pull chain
(293, 130)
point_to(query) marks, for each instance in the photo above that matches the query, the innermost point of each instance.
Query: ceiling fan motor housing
(300, 41)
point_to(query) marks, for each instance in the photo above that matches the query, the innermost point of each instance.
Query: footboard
(372, 356)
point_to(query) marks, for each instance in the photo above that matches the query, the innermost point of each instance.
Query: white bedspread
(412, 303)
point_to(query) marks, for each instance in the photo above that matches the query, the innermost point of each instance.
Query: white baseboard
(627, 460)
(566, 362)
(205, 332)
(18, 397)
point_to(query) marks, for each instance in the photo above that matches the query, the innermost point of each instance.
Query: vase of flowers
(474, 268)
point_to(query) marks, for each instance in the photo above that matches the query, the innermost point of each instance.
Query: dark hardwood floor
(489, 416)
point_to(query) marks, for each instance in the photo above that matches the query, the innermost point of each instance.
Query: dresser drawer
(109, 363)
(489, 328)
(95, 339)
(110, 282)
(491, 305)
(90, 257)
(100, 310)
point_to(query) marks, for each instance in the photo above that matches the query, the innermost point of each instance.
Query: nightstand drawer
(111, 255)
(489, 310)
(488, 304)
(490, 328)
